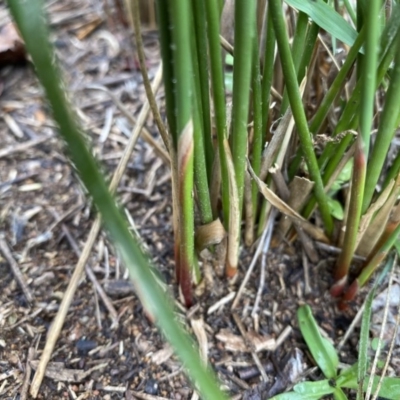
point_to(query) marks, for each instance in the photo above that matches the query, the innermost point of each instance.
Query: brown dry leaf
(370, 232)
(12, 49)
(312, 230)
(235, 343)
(161, 356)
(58, 372)
(201, 336)
(234, 216)
(89, 27)
(299, 189)
(209, 234)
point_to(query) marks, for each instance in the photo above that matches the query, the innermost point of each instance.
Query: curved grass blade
(327, 18)
(30, 20)
(321, 349)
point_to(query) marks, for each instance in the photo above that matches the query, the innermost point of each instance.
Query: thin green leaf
(364, 342)
(327, 18)
(338, 394)
(295, 396)
(336, 209)
(315, 389)
(31, 23)
(390, 388)
(321, 349)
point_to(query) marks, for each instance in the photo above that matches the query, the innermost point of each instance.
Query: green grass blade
(30, 19)
(327, 18)
(364, 343)
(321, 349)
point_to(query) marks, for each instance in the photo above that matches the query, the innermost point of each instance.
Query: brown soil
(45, 220)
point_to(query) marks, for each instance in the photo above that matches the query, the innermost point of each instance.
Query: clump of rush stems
(223, 141)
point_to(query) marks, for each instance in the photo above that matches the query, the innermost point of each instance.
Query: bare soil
(114, 351)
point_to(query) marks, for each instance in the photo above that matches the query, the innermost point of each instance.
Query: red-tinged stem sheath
(353, 219)
(391, 234)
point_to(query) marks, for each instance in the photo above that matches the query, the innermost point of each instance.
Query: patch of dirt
(108, 348)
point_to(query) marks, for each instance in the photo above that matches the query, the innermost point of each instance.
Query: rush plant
(323, 117)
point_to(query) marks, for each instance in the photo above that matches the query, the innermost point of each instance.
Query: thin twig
(264, 253)
(350, 329)
(307, 287)
(92, 277)
(135, 17)
(56, 326)
(15, 148)
(250, 269)
(15, 269)
(247, 342)
(27, 375)
(127, 114)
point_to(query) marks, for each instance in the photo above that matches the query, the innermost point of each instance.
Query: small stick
(350, 329)
(307, 287)
(9, 150)
(56, 326)
(15, 269)
(253, 353)
(249, 270)
(264, 253)
(27, 376)
(221, 302)
(92, 277)
(283, 336)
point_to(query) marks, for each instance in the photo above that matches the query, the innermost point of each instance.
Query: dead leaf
(12, 49)
(58, 372)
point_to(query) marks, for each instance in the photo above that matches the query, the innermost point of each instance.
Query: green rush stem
(199, 15)
(368, 80)
(200, 165)
(297, 51)
(165, 38)
(30, 18)
(330, 169)
(257, 122)
(245, 18)
(305, 61)
(349, 118)
(386, 130)
(181, 32)
(369, 269)
(218, 91)
(298, 112)
(268, 70)
(354, 213)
